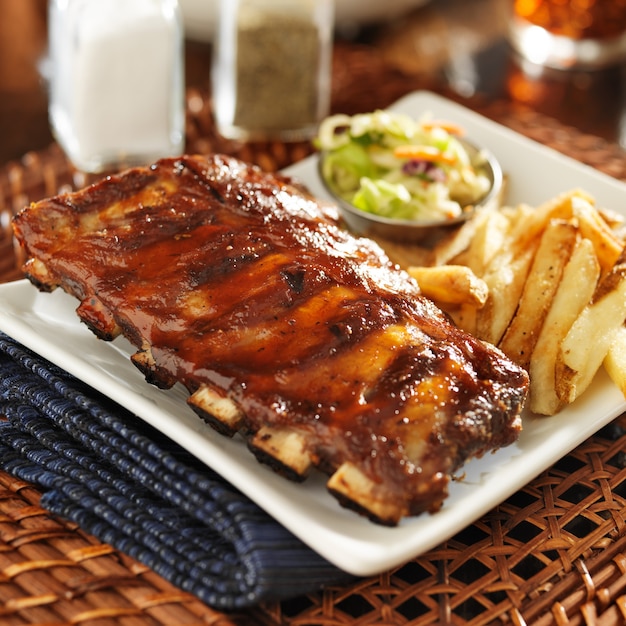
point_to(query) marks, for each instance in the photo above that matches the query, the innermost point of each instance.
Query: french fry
(562, 205)
(593, 227)
(615, 360)
(530, 222)
(614, 220)
(488, 239)
(574, 291)
(505, 277)
(516, 214)
(555, 248)
(556, 291)
(450, 284)
(591, 335)
(458, 242)
(508, 269)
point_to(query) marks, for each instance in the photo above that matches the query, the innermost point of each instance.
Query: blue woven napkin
(130, 486)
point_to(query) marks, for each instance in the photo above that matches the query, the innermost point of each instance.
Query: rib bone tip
(284, 450)
(220, 412)
(358, 492)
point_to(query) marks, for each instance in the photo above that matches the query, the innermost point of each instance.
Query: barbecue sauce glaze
(240, 280)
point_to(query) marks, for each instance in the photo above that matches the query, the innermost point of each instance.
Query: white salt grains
(117, 81)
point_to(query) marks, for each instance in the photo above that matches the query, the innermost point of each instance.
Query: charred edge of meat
(37, 272)
(159, 377)
(45, 287)
(284, 450)
(98, 319)
(355, 491)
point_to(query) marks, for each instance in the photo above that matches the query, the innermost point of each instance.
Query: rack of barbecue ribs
(281, 325)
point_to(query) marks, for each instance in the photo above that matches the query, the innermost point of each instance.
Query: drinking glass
(563, 34)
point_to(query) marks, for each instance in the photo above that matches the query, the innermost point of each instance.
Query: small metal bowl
(415, 231)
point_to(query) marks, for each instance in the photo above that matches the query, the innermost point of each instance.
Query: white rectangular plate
(47, 324)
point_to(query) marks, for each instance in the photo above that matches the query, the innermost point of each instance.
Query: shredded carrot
(425, 153)
(450, 127)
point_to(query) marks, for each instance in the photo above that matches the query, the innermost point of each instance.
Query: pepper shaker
(271, 71)
(117, 81)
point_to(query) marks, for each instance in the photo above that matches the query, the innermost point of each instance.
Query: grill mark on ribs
(281, 325)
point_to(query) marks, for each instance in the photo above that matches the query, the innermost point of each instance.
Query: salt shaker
(271, 69)
(117, 81)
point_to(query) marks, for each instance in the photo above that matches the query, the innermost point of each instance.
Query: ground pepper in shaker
(271, 70)
(116, 81)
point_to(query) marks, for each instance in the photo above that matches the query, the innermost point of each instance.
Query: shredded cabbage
(398, 167)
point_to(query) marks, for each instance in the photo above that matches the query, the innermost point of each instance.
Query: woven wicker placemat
(554, 553)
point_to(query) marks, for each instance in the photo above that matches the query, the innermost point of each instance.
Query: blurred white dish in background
(199, 15)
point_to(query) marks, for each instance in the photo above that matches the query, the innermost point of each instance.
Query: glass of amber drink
(564, 34)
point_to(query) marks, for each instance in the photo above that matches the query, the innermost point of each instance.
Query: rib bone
(221, 412)
(283, 449)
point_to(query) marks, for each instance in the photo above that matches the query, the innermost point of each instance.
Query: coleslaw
(397, 167)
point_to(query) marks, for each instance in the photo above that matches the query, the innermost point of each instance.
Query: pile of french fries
(546, 284)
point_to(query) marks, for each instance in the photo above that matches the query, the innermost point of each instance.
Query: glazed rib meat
(281, 325)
